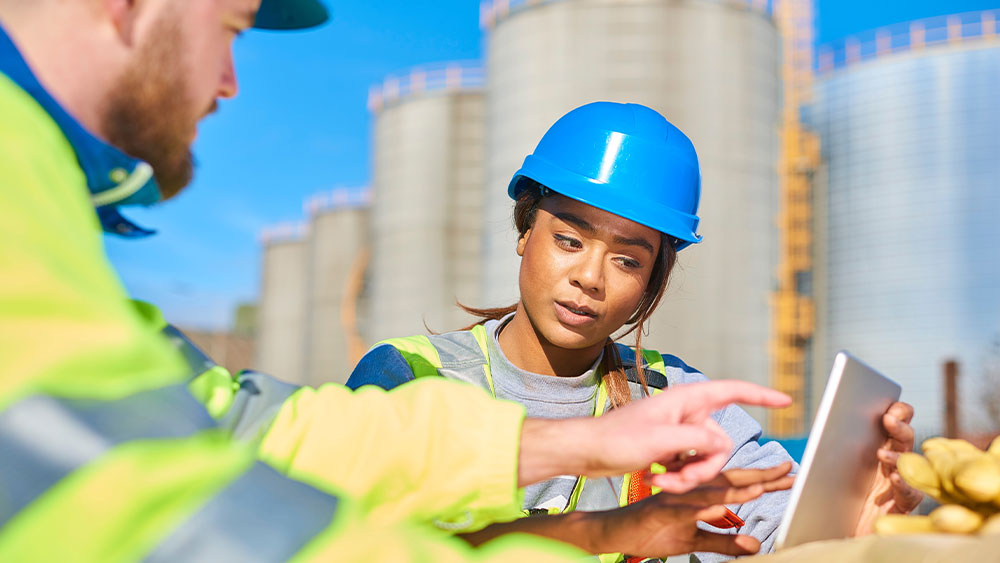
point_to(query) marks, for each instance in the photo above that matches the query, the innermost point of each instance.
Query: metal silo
(712, 68)
(427, 199)
(336, 260)
(281, 328)
(909, 120)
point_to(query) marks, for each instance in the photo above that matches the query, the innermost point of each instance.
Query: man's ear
(123, 14)
(522, 241)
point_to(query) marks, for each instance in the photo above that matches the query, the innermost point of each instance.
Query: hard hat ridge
(626, 159)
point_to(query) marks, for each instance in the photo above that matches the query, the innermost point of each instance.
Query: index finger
(714, 395)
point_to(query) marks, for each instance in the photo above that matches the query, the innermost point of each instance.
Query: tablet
(839, 462)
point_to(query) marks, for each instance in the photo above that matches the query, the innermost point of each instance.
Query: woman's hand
(889, 494)
(664, 524)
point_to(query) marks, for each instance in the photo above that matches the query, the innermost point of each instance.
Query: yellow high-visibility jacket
(105, 455)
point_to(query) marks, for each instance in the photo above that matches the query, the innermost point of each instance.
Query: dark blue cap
(290, 14)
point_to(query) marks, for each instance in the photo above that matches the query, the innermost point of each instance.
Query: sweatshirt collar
(113, 177)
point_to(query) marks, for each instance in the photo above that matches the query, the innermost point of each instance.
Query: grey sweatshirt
(563, 397)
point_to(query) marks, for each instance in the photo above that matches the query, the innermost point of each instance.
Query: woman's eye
(629, 263)
(567, 242)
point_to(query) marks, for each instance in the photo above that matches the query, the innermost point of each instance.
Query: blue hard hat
(626, 159)
(290, 14)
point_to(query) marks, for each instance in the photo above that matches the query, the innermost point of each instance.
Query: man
(104, 452)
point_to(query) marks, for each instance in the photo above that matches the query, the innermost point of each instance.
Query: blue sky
(300, 126)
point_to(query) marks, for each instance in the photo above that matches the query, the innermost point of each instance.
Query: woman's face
(583, 271)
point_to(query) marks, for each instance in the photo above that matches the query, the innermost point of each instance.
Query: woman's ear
(522, 241)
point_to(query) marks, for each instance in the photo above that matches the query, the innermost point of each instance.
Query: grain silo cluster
(897, 218)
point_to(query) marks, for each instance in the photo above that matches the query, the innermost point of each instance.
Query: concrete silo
(427, 199)
(712, 68)
(908, 206)
(337, 256)
(281, 332)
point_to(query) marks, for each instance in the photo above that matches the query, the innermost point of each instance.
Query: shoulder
(395, 361)
(661, 370)
(31, 143)
(432, 352)
(383, 366)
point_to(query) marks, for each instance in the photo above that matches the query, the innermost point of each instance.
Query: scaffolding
(792, 303)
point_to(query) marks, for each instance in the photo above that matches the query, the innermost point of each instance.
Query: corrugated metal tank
(712, 68)
(909, 205)
(427, 199)
(337, 256)
(281, 330)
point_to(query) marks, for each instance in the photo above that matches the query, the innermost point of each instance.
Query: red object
(638, 490)
(730, 520)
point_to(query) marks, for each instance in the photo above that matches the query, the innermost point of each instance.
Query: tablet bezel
(827, 497)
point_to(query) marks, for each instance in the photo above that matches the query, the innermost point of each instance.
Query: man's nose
(227, 84)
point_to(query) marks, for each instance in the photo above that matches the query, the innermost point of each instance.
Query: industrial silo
(712, 68)
(281, 328)
(337, 256)
(426, 214)
(908, 205)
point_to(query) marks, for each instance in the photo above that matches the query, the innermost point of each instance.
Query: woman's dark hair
(614, 378)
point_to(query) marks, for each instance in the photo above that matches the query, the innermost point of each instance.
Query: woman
(603, 205)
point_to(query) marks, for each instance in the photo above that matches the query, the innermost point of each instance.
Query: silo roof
(492, 12)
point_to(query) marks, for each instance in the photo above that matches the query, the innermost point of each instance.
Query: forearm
(580, 529)
(431, 449)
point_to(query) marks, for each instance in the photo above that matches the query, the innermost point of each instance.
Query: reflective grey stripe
(261, 516)
(256, 405)
(598, 494)
(461, 357)
(43, 438)
(197, 361)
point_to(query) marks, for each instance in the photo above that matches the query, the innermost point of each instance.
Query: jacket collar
(113, 177)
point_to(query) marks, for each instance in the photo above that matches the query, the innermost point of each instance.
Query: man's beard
(148, 114)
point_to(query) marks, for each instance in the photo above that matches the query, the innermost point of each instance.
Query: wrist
(554, 447)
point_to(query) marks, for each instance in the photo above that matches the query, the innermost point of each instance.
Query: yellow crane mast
(792, 306)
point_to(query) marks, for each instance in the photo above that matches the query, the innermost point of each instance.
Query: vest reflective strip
(197, 362)
(43, 438)
(261, 516)
(455, 355)
(479, 333)
(418, 352)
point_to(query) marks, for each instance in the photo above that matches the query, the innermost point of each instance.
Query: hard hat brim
(682, 226)
(290, 14)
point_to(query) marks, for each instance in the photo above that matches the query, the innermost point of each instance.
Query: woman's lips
(570, 315)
